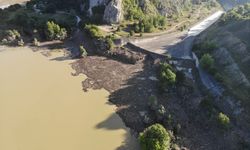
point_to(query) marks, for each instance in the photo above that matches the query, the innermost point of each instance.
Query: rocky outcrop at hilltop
(113, 12)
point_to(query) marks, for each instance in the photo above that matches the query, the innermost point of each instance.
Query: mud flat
(42, 106)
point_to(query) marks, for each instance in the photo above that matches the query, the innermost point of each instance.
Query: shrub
(20, 42)
(219, 77)
(12, 35)
(207, 62)
(36, 42)
(204, 47)
(160, 112)
(148, 24)
(109, 42)
(62, 34)
(54, 31)
(167, 76)
(223, 120)
(93, 31)
(83, 52)
(155, 137)
(131, 10)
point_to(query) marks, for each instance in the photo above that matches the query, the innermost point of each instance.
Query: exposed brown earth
(132, 85)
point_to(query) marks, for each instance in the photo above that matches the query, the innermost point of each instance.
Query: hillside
(147, 87)
(229, 4)
(231, 51)
(115, 11)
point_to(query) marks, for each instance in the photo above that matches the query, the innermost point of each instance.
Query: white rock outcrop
(113, 12)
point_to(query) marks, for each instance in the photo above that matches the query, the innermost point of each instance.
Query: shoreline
(128, 130)
(6, 3)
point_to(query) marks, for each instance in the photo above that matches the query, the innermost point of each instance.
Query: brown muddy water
(11, 2)
(43, 107)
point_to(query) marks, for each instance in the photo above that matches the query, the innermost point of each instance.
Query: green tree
(55, 32)
(207, 62)
(223, 120)
(155, 137)
(50, 32)
(167, 75)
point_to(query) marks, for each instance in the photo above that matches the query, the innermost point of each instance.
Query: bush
(207, 62)
(204, 47)
(12, 35)
(109, 42)
(223, 120)
(167, 75)
(83, 52)
(160, 112)
(219, 77)
(36, 42)
(155, 137)
(55, 32)
(148, 24)
(93, 31)
(20, 42)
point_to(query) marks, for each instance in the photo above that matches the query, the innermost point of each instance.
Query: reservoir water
(43, 107)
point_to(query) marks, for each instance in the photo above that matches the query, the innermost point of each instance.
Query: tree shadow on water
(114, 122)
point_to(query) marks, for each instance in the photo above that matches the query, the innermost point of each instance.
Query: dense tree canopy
(155, 137)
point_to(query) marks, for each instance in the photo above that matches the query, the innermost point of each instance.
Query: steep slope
(232, 53)
(118, 10)
(229, 4)
(168, 8)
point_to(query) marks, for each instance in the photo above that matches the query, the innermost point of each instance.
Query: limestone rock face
(113, 12)
(93, 3)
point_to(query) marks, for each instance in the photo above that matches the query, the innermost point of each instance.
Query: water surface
(42, 107)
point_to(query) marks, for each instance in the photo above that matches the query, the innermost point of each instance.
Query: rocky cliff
(113, 12)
